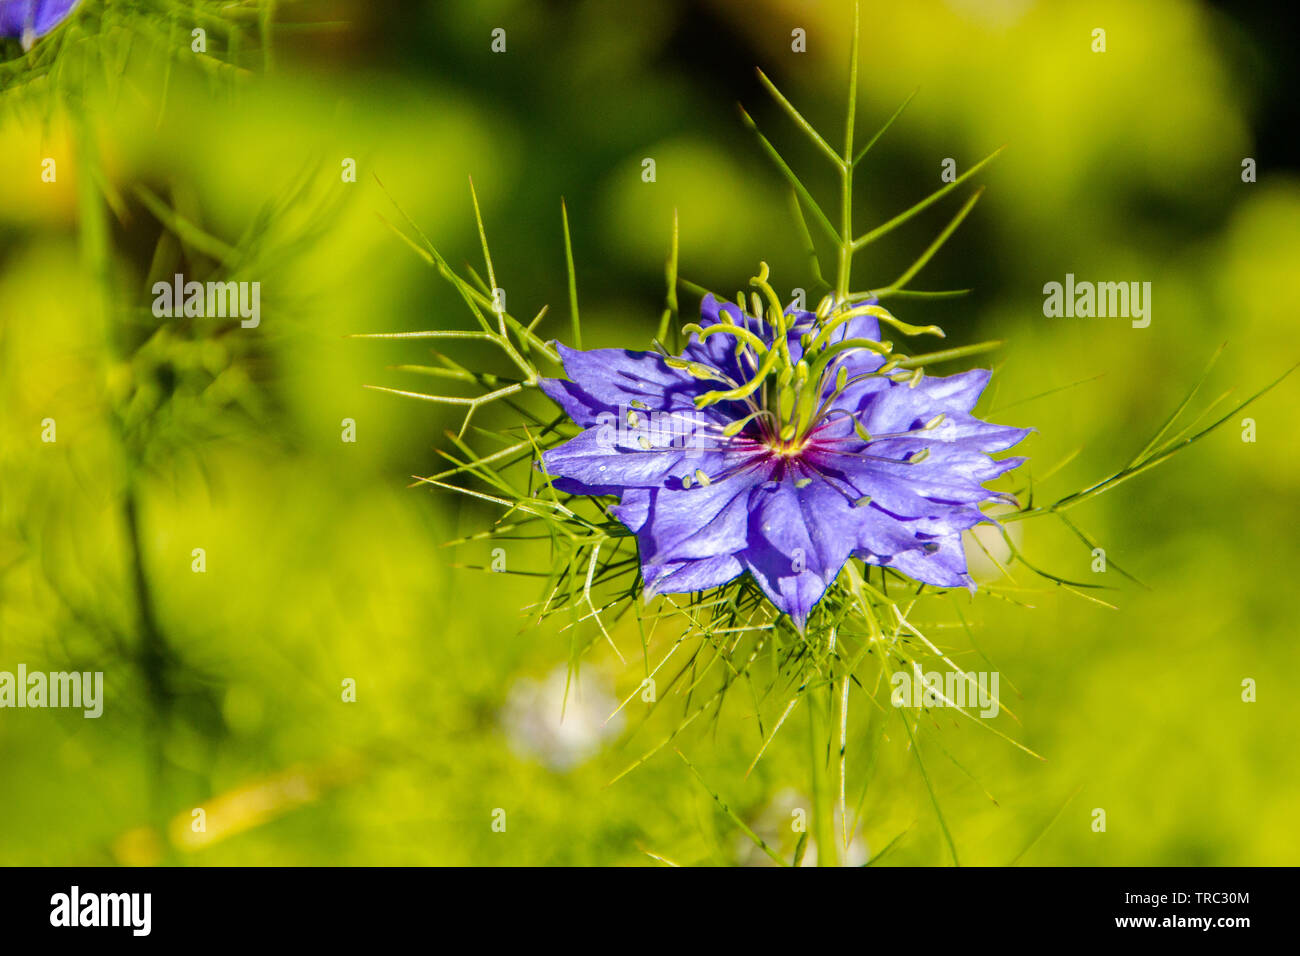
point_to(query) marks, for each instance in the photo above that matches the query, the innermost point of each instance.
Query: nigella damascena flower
(30, 19)
(780, 446)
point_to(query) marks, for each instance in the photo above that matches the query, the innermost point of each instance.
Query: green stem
(846, 175)
(152, 656)
(846, 236)
(153, 647)
(822, 792)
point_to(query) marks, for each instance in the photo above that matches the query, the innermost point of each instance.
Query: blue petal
(685, 577)
(944, 567)
(18, 17)
(607, 380)
(699, 522)
(607, 456)
(792, 554)
(900, 408)
(634, 508)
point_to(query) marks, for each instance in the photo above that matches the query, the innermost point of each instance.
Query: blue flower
(778, 447)
(30, 19)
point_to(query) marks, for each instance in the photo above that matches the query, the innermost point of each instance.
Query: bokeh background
(323, 565)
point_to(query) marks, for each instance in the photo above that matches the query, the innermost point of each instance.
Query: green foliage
(223, 687)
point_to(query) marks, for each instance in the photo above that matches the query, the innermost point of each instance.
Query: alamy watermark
(133, 911)
(209, 300)
(75, 689)
(964, 689)
(1127, 300)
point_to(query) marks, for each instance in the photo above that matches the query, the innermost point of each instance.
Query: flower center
(787, 397)
(788, 449)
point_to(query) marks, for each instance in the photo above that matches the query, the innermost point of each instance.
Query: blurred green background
(224, 689)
